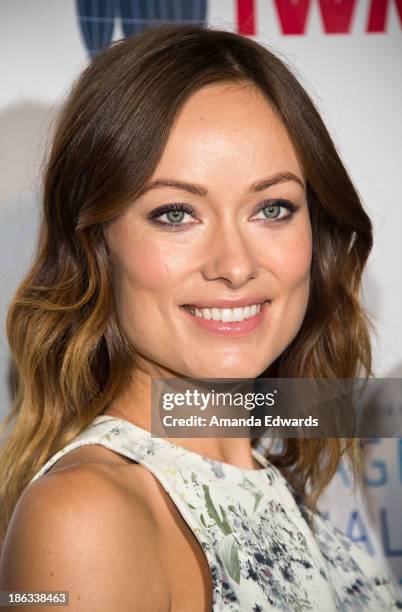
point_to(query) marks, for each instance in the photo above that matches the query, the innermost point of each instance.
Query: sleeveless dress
(264, 548)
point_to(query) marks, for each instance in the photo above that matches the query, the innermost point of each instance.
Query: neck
(134, 405)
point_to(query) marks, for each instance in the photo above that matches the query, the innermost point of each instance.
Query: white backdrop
(348, 55)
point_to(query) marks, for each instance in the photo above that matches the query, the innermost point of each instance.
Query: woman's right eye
(174, 213)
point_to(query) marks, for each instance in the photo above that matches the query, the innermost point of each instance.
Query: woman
(190, 178)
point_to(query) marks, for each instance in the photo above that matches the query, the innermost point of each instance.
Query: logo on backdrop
(97, 17)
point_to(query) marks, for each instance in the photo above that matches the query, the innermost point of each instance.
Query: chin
(220, 371)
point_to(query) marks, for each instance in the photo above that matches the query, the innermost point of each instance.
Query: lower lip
(235, 328)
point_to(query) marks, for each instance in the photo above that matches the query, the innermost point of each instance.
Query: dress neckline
(259, 457)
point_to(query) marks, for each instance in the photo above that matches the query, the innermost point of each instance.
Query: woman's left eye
(272, 210)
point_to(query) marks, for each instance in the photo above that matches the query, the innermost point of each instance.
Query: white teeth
(237, 314)
(206, 313)
(216, 315)
(227, 315)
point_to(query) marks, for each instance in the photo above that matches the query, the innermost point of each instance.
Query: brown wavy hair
(70, 355)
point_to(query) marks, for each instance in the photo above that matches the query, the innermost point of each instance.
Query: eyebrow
(280, 177)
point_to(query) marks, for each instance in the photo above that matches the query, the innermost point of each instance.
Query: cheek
(292, 270)
(291, 258)
(151, 267)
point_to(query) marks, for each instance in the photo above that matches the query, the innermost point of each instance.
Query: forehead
(224, 128)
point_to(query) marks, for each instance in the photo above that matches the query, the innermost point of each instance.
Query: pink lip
(235, 328)
(229, 302)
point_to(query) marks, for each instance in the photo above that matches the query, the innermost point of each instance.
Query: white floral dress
(254, 530)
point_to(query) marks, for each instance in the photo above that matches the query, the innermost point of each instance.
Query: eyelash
(162, 210)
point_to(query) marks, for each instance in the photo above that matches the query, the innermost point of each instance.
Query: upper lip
(228, 302)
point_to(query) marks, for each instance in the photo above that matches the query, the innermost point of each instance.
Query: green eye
(175, 216)
(173, 213)
(271, 211)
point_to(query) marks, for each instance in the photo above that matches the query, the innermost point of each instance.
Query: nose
(230, 256)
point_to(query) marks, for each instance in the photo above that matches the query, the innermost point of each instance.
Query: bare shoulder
(82, 529)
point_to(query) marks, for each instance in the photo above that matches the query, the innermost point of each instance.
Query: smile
(227, 315)
(227, 321)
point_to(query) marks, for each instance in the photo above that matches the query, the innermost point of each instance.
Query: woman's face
(227, 245)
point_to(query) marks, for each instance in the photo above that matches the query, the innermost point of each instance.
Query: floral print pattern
(265, 549)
